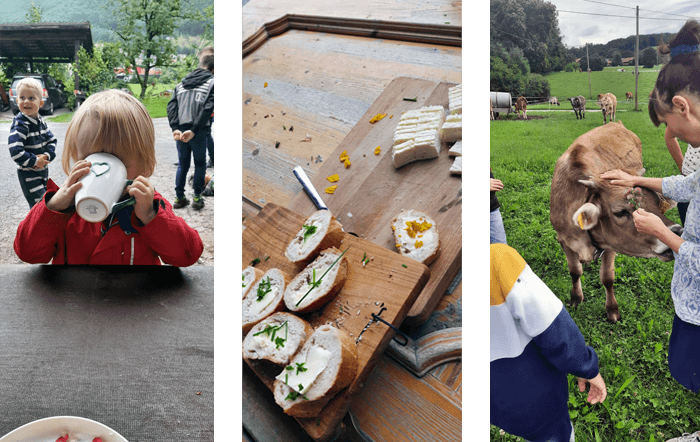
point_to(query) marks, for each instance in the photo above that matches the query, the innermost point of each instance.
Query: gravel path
(13, 206)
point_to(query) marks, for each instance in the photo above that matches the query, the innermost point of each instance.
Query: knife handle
(309, 188)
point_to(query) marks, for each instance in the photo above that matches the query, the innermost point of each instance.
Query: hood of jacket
(196, 77)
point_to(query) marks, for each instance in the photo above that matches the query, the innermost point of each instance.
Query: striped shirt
(28, 138)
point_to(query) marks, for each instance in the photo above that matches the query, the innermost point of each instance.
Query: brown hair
(681, 74)
(121, 126)
(206, 58)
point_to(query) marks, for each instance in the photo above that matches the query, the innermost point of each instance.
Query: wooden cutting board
(387, 286)
(371, 192)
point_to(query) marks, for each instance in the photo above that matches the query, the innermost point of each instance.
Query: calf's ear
(641, 172)
(586, 217)
(665, 203)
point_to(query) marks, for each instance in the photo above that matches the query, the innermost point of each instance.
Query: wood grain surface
(372, 192)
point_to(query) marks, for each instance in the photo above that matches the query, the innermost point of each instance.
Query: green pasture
(644, 402)
(570, 84)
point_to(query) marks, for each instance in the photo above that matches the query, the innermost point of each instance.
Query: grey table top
(130, 348)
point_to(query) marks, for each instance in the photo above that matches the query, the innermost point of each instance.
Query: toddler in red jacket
(147, 232)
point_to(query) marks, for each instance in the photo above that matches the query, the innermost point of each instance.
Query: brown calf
(521, 105)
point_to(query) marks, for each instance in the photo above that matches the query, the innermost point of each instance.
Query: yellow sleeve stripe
(506, 267)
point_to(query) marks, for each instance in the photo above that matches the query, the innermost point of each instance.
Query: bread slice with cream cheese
(276, 338)
(416, 236)
(326, 364)
(250, 275)
(320, 231)
(264, 298)
(318, 283)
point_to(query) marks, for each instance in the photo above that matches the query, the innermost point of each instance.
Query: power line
(623, 16)
(646, 10)
(609, 4)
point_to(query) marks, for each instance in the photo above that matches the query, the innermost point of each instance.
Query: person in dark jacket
(190, 114)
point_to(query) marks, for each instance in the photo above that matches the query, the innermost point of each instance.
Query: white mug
(102, 188)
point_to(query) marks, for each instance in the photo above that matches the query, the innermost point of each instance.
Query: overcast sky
(599, 21)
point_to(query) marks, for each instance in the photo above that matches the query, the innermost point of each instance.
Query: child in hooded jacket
(534, 343)
(147, 232)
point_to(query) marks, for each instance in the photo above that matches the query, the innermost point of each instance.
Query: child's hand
(41, 161)
(177, 134)
(598, 391)
(65, 196)
(187, 136)
(142, 190)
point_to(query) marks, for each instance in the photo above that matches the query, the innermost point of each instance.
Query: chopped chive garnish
(319, 280)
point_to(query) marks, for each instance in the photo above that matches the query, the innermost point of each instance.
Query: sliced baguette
(250, 275)
(416, 236)
(328, 233)
(330, 359)
(262, 340)
(330, 284)
(255, 311)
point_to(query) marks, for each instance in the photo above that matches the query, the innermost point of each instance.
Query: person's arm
(172, 112)
(51, 146)
(621, 178)
(19, 133)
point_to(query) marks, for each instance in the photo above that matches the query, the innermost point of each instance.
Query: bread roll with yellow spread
(416, 236)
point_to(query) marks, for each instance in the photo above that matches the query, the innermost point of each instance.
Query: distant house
(126, 75)
(628, 61)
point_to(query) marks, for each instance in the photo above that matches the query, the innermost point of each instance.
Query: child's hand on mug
(65, 196)
(143, 192)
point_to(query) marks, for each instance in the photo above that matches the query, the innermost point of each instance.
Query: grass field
(644, 403)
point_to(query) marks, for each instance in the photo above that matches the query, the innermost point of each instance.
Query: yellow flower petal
(331, 189)
(333, 178)
(377, 150)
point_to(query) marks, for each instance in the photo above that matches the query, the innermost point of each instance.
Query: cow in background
(579, 105)
(521, 106)
(554, 101)
(593, 218)
(491, 107)
(629, 96)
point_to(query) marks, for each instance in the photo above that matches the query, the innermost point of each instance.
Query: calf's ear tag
(581, 220)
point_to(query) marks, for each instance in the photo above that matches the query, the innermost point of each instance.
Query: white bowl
(51, 428)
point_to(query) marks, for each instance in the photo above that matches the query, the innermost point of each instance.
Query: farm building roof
(51, 42)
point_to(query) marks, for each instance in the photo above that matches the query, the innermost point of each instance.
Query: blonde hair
(31, 83)
(120, 126)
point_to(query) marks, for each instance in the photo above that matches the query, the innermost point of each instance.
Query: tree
(617, 59)
(532, 26)
(145, 29)
(34, 14)
(597, 62)
(648, 58)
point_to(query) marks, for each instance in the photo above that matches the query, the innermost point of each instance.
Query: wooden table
(132, 348)
(312, 71)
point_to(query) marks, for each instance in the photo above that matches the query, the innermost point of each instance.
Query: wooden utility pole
(588, 63)
(636, 64)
